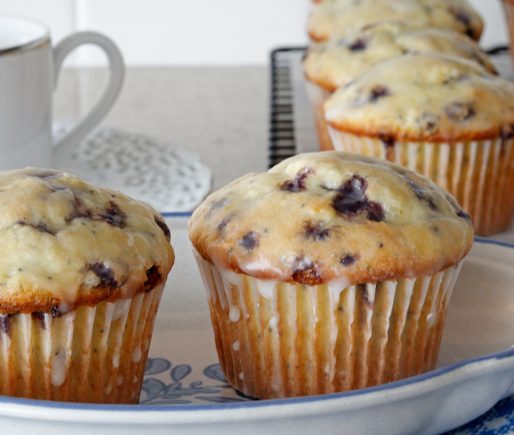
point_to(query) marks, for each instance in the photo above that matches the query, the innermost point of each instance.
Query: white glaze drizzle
(59, 368)
(137, 354)
(234, 313)
(266, 287)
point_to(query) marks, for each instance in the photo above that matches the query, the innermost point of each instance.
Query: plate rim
(457, 372)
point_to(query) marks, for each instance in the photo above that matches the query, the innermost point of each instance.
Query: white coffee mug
(29, 69)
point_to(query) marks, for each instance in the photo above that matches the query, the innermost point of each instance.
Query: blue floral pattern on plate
(168, 384)
(157, 390)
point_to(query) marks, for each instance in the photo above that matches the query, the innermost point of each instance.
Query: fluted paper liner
(281, 340)
(480, 174)
(91, 354)
(318, 96)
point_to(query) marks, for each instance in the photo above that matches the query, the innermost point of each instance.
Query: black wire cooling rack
(282, 129)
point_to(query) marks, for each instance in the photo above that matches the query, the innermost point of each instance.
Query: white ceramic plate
(184, 391)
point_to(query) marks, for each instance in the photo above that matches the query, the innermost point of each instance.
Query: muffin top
(67, 243)
(345, 17)
(331, 216)
(424, 97)
(340, 60)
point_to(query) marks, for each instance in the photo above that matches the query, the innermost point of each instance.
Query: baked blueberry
(348, 259)
(358, 44)
(377, 92)
(162, 225)
(315, 231)
(113, 215)
(351, 200)
(460, 111)
(249, 241)
(297, 184)
(105, 273)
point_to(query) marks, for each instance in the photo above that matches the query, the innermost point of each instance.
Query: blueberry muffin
(441, 116)
(329, 272)
(339, 18)
(337, 62)
(81, 274)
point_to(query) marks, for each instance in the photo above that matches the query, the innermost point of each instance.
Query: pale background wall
(195, 32)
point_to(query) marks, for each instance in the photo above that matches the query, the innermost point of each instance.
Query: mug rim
(31, 44)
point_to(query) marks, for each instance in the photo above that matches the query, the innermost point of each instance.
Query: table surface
(219, 112)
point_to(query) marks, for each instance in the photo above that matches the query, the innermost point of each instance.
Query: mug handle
(117, 75)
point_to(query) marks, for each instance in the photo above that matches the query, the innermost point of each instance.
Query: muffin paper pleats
(91, 354)
(278, 339)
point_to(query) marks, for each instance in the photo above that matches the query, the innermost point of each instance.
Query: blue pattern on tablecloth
(497, 421)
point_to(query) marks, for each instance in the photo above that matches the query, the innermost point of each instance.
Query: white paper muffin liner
(279, 340)
(91, 354)
(318, 96)
(480, 174)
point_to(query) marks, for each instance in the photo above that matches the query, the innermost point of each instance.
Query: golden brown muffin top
(425, 97)
(340, 60)
(66, 243)
(338, 18)
(331, 216)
